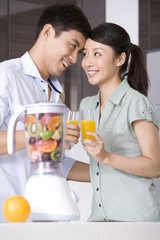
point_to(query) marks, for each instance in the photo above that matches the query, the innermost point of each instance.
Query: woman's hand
(95, 147)
(72, 134)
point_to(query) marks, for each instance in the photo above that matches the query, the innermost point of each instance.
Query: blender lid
(45, 107)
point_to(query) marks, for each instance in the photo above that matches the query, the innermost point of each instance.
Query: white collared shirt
(21, 84)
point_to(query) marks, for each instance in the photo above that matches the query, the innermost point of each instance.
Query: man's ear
(121, 59)
(48, 30)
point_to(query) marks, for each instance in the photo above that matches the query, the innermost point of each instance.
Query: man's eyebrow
(76, 42)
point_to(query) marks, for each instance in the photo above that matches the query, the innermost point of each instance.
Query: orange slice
(48, 147)
(31, 149)
(54, 122)
(30, 119)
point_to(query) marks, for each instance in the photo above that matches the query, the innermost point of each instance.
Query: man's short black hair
(64, 17)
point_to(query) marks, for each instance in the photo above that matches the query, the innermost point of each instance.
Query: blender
(47, 190)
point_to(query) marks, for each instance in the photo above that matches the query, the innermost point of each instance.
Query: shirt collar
(117, 95)
(29, 66)
(119, 92)
(30, 69)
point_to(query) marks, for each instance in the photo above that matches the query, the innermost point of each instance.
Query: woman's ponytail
(137, 74)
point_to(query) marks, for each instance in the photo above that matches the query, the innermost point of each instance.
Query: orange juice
(72, 121)
(88, 126)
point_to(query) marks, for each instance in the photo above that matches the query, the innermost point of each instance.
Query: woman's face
(99, 62)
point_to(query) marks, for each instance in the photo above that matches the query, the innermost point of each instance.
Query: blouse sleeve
(142, 109)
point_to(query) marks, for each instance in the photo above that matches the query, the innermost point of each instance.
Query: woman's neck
(107, 90)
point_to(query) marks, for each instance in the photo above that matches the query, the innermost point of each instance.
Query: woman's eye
(84, 54)
(97, 54)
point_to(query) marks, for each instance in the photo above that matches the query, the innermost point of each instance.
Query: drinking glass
(88, 123)
(72, 117)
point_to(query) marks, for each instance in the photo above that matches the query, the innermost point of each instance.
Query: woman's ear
(121, 59)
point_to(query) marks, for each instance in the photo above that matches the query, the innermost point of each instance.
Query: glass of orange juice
(88, 123)
(72, 117)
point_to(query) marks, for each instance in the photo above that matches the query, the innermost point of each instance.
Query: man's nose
(73, 58)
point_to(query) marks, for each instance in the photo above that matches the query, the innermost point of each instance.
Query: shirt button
(97, 164)
(41, 81)
(97, 173)
(44, 90)
(97, 189)
(100, 205)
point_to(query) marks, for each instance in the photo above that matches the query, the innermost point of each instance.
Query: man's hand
(72, 134)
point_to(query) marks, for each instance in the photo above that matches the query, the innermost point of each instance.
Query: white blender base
(51, 199)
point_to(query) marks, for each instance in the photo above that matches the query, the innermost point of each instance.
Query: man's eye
(73, 46)
(84, 54)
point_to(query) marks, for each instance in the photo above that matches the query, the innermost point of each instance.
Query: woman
(125, 155)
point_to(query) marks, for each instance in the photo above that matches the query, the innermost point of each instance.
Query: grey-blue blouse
(118, 195)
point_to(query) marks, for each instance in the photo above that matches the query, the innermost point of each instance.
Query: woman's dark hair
(64, 17)
(134, 67)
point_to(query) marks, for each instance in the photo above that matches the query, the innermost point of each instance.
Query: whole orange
(16, 209)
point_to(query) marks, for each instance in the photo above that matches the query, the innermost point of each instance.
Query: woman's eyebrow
(95, 49)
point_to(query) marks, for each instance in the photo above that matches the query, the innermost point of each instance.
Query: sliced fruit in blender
(49, 147)
(34, 129)
(46, 157)
(54, 123)
(45, 135)
(30, 119)
(42, 142)
(56, 155)
(45, 119)
(56, 135)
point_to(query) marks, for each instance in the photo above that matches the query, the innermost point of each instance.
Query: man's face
(60, 52)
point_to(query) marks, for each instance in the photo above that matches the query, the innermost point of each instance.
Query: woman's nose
(89, 61)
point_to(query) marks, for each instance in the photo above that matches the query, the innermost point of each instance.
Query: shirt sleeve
(5, 95)
(142, 109)
(67, 163)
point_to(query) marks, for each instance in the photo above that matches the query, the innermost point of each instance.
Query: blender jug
(46, 190)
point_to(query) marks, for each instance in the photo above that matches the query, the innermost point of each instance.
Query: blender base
(51, 199)
(38, 217)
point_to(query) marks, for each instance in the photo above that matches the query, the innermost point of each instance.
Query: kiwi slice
(56, 154)
(60, 129)
(34, 129)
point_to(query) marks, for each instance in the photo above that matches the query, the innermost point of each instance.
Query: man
(61, 34)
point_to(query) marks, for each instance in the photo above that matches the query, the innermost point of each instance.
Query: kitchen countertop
(80, 231)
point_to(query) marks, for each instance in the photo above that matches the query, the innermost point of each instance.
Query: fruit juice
(72, 121)
(88, 126)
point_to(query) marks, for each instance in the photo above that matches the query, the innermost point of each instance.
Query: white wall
(153, 60)
(125, 14)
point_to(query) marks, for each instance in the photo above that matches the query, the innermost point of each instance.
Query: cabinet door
(3, 30)
(23, 18)
(149, 24)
